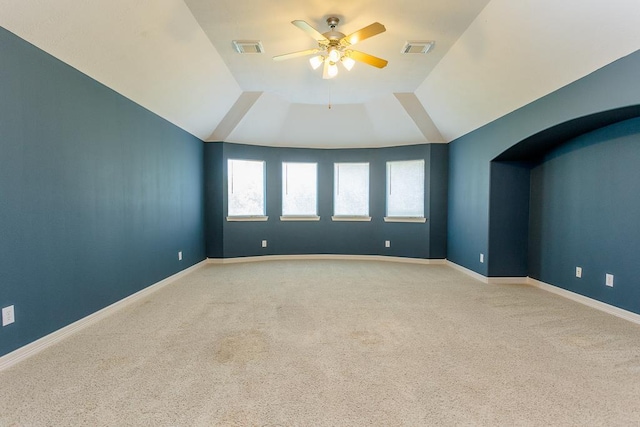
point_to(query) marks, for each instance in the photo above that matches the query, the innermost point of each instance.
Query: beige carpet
(335, 343)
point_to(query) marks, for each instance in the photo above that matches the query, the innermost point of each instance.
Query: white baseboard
(326, 257)
(599, 305)
(37, 346)
(477, 276)
(508, 280)
(590, 302)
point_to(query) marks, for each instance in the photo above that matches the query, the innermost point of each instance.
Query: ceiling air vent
(418, 47)
(248, 46)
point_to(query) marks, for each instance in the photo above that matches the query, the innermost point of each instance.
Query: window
(351, 192)
(299, 191)
(405, 191)
(245, 195)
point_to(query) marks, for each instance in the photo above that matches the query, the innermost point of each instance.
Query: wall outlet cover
(264, 243)
(482, 258)
(387, 243)
(609, 280)
(578, 272)
(8, 315)
(180, 256)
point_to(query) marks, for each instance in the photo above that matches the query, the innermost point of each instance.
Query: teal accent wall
(585, 210)
(240, 239)
(97, 194)
(471, 206)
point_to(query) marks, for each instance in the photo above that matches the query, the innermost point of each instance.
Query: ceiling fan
(334, 47)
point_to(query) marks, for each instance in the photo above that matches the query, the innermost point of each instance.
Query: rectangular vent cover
(418, 47)
(248, 46)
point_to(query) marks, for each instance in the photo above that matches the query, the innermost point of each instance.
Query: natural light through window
(246, 190)
(351, 191)
(405, 191)
(299, 191)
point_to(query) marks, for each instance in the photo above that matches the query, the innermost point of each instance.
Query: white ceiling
(175, 58)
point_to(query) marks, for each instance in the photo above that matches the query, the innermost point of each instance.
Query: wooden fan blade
(367, 59)
(325, 71)
(362, 34)
(295, 54)
(315, 34)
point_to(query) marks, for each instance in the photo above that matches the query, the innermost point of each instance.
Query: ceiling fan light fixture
(334, 54)
(316, 61)
(333, 47)
(332, 70)
(348, 63)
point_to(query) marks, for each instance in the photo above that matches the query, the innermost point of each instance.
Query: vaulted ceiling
(176, 58)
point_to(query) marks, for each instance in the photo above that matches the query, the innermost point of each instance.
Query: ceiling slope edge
(514, 53)
(419, 115)
(152, 52)
(236, 113)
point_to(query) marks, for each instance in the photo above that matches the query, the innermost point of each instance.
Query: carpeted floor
(335, 343)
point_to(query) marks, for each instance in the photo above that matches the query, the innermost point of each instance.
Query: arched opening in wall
(520, 193)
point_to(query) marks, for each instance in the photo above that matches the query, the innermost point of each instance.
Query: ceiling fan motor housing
(333, 36)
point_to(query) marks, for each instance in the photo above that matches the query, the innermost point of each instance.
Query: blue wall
(213, 199)
(585, 211)
(97, 194)
(326, 236)
(509, 219)
(470, 156)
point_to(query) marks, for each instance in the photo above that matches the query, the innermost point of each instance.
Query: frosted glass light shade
(348, 63)
(316, 61)
(332, 71)
(334, 54)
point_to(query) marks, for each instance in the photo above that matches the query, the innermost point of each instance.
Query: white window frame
(298, 217)
(398, 218)
(336, 189)
(263, 216)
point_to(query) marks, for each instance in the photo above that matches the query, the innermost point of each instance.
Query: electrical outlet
(482, 258)
(180, 256)
(387, 243)
(264, 243)
(609, 280)
(8, 316)
(578, 272)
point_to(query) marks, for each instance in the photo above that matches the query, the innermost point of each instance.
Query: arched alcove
(511, 189)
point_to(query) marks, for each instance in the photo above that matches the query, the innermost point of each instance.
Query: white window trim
(405, 219)
(242, 218)
(424, 194)
(355, 218)
(336, 185)
(300, 218)
(264, 192)
(294, 217)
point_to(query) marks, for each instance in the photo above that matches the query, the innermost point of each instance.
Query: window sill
(300, 218)
(350, 218)
(404, 219)
(247, 218)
